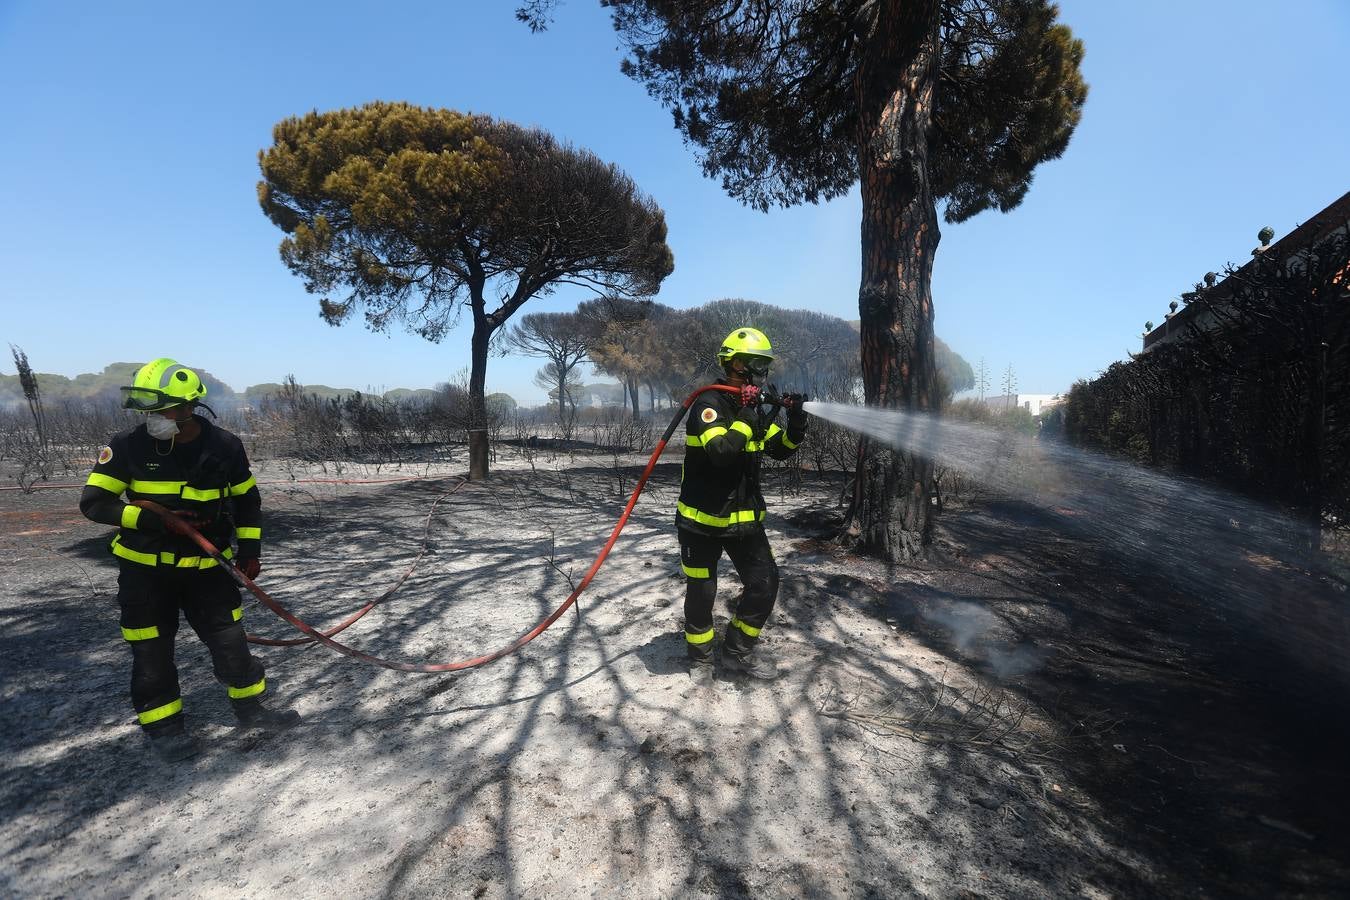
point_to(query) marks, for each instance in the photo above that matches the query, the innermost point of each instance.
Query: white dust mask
(160, 428)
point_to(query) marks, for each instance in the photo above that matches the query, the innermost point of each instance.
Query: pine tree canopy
(408, 212)
(768, 90)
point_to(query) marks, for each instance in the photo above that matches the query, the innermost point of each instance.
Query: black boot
(739, 655)
(252, 714)
(173, 744)
(701, 672)
(700, 664)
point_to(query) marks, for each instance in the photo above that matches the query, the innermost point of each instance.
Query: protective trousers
(150, 599)
(754, 563)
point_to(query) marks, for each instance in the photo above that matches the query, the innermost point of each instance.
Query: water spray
(1205, 540)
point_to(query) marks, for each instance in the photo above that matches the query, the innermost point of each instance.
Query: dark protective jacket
(719, 485)
(208, 476)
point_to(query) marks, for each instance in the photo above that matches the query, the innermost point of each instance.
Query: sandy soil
(1028, 715)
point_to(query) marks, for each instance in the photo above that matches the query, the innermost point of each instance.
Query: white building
(1032, 403)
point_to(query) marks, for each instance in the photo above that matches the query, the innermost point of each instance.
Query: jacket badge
(709, 414)
(105, 456)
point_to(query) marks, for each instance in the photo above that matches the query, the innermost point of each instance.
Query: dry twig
(982, 718)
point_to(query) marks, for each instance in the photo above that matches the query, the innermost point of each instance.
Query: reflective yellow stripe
(237, 613)
(248, 533)
(192, 493)
(179, 488)
(192, 562)
(787, 443)
(107, 482)
(130, 516)
(165, 558)
(187, 562)
(744, 515)
(743, 429)
(141, 634)
(243, 486)
(251, 690)
(701, 440)
(160, 712)
(749, 630)
(157, 487)
(145, 559)
(693, 572)
(754, 446)
(701, 638)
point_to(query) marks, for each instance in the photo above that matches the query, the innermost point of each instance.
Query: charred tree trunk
(562, 396)
(891, 516)
(478, 419)
(631, 387)
(32, 393)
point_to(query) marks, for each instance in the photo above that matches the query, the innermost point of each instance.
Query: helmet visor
(757, 365)
(148, 399)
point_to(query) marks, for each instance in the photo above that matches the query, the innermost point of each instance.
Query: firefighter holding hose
(721, 508)
(200, 473)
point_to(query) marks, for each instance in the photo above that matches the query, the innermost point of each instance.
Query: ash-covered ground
(1028, 714)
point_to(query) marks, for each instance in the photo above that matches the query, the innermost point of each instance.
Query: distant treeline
(102, 387)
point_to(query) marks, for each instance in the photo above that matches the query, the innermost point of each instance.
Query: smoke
(969, 626)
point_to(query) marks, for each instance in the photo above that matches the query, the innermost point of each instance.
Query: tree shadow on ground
(474, 779)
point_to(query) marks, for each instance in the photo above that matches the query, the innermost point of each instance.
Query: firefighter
(722, 509)
(198, 470)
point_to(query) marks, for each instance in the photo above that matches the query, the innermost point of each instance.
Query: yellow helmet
(160, 384)
(750, 344)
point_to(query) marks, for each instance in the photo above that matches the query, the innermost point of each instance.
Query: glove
(182, 524)
(250, 567)
(750, 395)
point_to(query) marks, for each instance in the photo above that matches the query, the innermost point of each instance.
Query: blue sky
(129, 226)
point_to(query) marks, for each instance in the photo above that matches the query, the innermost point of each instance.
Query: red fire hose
(356, 616)
(324, 638)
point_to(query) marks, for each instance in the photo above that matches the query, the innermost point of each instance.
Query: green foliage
(501, 405)
(407, 212)
(793, 101)
(1010, 94)
(954, 372)
(769, 92)
(257, 393)
(1015, 418)
(408, 395)
(412, 214)
(672, 351)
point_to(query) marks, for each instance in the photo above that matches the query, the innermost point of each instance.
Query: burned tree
(411, 214)
(618, 329)
(560, 338)
(32, 393)
(920, 101)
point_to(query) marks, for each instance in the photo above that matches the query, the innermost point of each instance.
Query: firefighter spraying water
(193, 499)
(721, 508)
